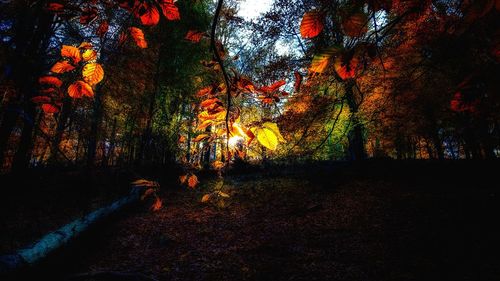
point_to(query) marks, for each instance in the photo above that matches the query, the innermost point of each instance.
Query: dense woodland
(115, 83)
(186, 140)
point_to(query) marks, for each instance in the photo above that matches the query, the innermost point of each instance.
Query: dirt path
(291, 228)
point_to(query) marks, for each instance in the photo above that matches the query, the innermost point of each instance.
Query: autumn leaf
(355, 25)
(79, 89)
(92, 73)
(170, 11)
(40, 99)
(223, 194)
(203, 125)
(193, 181)
(138, 37)
(298, 81)
(321, 61)
(273, 87)
(266, 138)
(274, 127)
(144, 182)
(89, 55)
(218, 165)
(49, 108)
(311, 24)
(102, 29)
(55, 7)
(148, 14)
(201, 137)
(205, 198)
(85, 45)
(50, 80)
(71, 52)
(183, 178)
(347, 69)
(62, 67)
(210, 102)
(194, 36)
(156, 205)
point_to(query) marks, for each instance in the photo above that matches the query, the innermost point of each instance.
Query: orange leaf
(170, 11)
(209, 102)
(156, 205)
(205, 198)
(49, 108)
(71, 52)
(51, 80)
(183, 179)
(348, 69)
(193, 181)
(194, 36)
(138, 36)
(62, 67)
(201, 137)
(80, 89)
(92, 73)
(273, 87)
(312, 24)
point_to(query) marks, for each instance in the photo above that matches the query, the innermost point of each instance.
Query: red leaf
(51, 80)
(55, 7)
(273, 87)
(170, 11)
(49, 108)
(312, 24)
(298, 81)
(148, 14)
(102, 29)
(194, 36)
(40, 99)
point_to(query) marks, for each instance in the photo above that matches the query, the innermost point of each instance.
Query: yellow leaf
(89, 54)
(223, 194)
(92, 73)
(273, 127)
(205, 198)
(71, 52)
(193, 181)
(267, 138)
(62, 67)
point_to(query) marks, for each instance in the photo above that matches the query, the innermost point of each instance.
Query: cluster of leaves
(75, 60)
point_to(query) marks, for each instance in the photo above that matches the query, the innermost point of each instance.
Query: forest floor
(330, 221)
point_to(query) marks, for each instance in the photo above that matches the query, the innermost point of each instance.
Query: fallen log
(22, 258)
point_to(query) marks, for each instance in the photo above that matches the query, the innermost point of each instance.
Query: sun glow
(234, 140)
